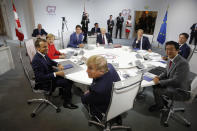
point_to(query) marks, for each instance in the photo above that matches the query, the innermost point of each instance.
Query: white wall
(181, 14)
(24, 14)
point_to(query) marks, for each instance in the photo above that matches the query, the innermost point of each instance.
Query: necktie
(170, 64)
(103, 39)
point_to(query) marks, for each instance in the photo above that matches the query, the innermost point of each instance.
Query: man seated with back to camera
(45, 75)
(184, 49)
(95, 30)
(141, 42)
(99, 94)
(104, 38)
(76, 38)
(176, 76)
(39, 32)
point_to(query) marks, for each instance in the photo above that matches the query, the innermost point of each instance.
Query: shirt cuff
(54, 74)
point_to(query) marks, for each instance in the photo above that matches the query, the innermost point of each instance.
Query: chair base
(41, 102)
(172, 113)
(107, 126)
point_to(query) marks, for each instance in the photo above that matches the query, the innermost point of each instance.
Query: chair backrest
(31, 50)
(150, 37)
(66, 38)
(190, 54)
(92, 39)
(27, 70)
(123, 96)
(193, 93)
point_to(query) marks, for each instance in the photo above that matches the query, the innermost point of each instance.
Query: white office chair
(172, 110)
(122, 99)
(30, 48)
(150, 38)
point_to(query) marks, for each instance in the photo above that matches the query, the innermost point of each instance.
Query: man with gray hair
(104, 38)
(99, 94)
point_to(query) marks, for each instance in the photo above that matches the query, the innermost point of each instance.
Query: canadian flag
(18, 30)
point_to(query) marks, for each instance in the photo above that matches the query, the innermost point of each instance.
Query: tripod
(64, 23)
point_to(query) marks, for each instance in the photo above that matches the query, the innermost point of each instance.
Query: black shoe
(70, 105)
(155, 108)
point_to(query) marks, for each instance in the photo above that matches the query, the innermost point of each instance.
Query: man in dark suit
(46, 77)
(110, 25)
(193, 34)
(175, 77)
(76, 38)
(95, 29)
(39, 32)
(119, 23)
(99, 94)
(141, 42)
(104, 38)
(84, 22)
(184, 49)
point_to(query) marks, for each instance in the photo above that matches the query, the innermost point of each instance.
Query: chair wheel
(129, 129)
(165, 124)
(33, 115)
(28, 103)
(58, 110)
(188, 124)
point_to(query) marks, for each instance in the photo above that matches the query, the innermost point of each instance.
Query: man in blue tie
(46, 77)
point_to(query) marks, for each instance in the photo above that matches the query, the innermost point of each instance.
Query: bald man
(39, 32)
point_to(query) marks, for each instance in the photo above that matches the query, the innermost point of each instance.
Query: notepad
(68, 66)
(164, 62)
(147, 78)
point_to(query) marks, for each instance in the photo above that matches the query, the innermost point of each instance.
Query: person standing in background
(119, 24)
(193, 34)
(110, 24)
(128, 27)
(84, 22)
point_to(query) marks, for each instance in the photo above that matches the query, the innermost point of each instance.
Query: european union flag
(162, 33)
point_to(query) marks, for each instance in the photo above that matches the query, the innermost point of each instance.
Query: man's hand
(156, 80)
(62, 56)
(60, 73)
(60, 67)
(81, 45)
(149, 50)
(86, 92)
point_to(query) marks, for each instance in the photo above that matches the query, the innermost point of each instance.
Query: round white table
(124, 60)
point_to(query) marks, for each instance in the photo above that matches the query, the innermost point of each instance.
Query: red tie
(103, 39)
(170, 64)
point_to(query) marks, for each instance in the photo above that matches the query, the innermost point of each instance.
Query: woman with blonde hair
(52, 52)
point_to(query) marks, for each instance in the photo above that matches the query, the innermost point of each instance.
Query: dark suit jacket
(95, 31)
(73, 40)
(99, 38)
(84, 23)
(100, 90)
(145, 43)
(177, 76)
(184, 50)
(193, 28)
(36, 32)
(119, 21)
(110, 24)
(43, 71)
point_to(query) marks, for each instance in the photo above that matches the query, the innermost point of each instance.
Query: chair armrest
(178, 89)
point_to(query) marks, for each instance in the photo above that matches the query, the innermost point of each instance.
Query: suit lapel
(174, 63)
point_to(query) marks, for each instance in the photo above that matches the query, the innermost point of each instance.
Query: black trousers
(85, 33)
(170, 92)
(110, 30)
(66, 85)
(119, 28)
